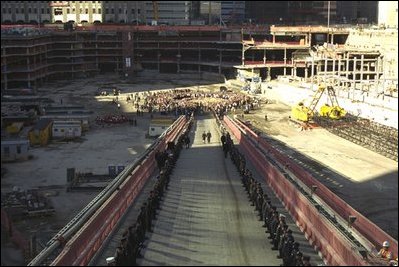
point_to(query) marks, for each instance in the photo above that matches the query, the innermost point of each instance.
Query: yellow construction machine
(303, 113)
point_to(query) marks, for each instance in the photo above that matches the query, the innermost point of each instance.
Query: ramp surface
(206, 217)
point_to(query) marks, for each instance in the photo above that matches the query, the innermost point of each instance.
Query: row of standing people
(280, 235)
(133, 238)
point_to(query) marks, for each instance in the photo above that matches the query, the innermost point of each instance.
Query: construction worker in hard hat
(384, 252)
(393, 262)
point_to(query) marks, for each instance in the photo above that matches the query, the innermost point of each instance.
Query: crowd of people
(112, 119)
(133, 238)
(279, 233)
(178, 102)
(186, 101)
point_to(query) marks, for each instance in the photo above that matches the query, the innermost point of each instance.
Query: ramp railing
(335, 247)
(84, 234)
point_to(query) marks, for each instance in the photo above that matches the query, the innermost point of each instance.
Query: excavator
(303, 113)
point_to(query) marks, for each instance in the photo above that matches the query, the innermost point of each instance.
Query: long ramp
(205, 217)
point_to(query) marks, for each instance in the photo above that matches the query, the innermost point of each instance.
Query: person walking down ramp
(187, 141)
(203, 137)
(208, 136)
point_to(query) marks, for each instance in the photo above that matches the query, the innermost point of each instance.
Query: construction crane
(155, 7)
(303, 113)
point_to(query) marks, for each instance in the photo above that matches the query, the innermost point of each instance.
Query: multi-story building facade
(233, 11)
(51, 11)
(230, 11)
(357, 12)
(312, 12)
(123, 12)
(169, 12)
(291, 12)
(210, 11)
(25, 12)
(184, 12)
(33, 55)
(76, 11)
(266, 12)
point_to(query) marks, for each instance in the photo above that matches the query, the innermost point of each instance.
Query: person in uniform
(133, 242)
(208, 136)
(187, 141)
(223, 139)
(384, 252)
(287, 248)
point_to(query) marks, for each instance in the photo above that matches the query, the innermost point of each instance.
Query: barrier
(363, 225)
(84, 244)
(88, 240)
(333, 245)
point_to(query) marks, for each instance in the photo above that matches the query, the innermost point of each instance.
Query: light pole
(328, 21)
(125, 13)
(137, 15)
(328, 15)
(39, 14)
(209, 12)
(220, 15)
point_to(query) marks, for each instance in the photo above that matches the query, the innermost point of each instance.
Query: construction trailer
(84, 119)
(14, 149)
(66, 129)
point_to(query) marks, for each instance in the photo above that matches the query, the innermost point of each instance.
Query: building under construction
(204, 212)
(32, 55)
(359, 68)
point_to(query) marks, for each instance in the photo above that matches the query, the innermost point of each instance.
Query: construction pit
(363, 178)
(101, 146)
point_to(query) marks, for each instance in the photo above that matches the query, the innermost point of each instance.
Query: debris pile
(30, 202)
